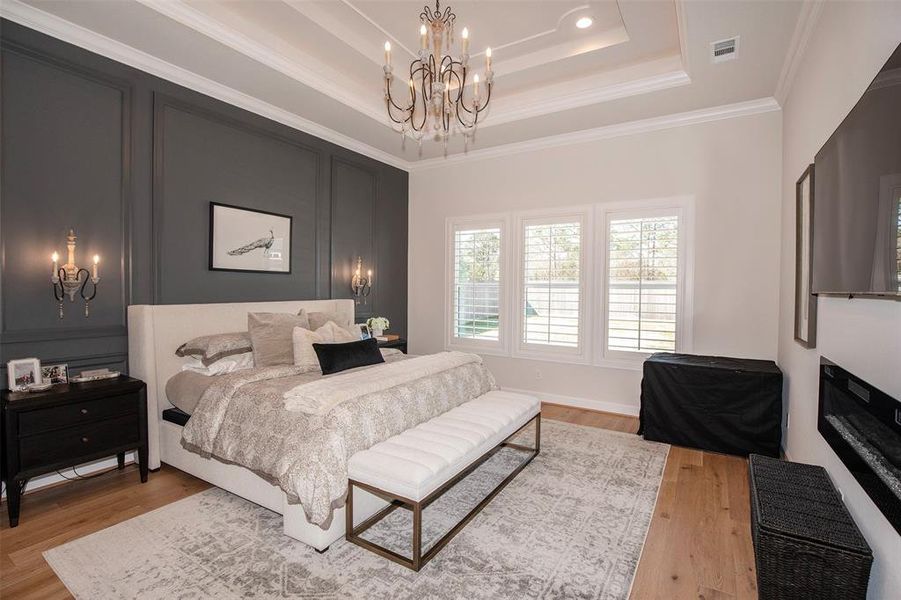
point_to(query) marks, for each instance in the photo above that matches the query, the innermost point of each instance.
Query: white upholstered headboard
(155, 331)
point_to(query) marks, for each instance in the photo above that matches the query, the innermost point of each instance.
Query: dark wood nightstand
(68, 425)
(399, 343)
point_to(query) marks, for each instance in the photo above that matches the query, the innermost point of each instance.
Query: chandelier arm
(390, 98)
(87, 277)
(445, 119)
(425, 116)
(428, 74)
(461, 121)
(487, 100)
(391, 115)
(461, 80)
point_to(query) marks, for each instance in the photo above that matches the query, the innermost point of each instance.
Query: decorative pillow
(270, 335)
(338, 334)
(330, 333)
(334, 358)
(229, 364)
(318, 319)
(210, 348)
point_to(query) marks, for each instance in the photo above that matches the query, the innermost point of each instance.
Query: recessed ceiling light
(584, 23)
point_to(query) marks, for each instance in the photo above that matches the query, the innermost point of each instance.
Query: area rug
(571, 525)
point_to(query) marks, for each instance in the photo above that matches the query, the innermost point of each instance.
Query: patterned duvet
(241, 419)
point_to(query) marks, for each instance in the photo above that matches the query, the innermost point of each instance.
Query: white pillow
(303, 339)
(229, 364)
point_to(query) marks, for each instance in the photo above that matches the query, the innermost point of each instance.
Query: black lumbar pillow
(334, 358)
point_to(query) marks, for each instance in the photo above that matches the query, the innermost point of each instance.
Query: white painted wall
(732, 168)
(849, 44)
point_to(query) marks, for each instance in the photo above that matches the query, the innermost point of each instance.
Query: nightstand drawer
(75, 442)
(69, 415)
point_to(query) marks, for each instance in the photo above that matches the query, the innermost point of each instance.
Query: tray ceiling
(320, 61)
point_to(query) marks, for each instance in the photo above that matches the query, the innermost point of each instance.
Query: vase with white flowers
(378, 325)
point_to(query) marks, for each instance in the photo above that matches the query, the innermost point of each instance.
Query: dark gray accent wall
(132, 162)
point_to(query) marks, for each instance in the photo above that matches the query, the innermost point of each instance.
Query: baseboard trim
(54, 479)
(617, 408)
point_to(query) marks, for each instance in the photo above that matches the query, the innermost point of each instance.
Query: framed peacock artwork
(244, 239)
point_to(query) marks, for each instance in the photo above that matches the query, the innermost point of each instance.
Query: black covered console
(721, 404)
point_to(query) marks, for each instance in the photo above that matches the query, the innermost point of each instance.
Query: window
(606, 284)
(644, 282)
(550, 301)
(476, 296)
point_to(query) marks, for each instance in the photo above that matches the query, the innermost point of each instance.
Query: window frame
(547, 352)
(499, 347)
(681, 207)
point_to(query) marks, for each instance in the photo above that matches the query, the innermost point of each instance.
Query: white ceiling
(316, 65)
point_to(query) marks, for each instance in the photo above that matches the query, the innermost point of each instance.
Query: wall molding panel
(131, 161)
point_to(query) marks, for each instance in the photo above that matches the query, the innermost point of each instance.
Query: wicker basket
(805, 543)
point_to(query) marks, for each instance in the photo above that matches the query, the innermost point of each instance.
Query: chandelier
(434, 102)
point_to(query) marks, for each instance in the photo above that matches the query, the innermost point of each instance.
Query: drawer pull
(85, 440)
(84, 411)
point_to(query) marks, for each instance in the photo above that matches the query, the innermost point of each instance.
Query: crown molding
(694, 117)
(583, 92)
(807, 20)
(322, 78)
(682, 26)
(69, 32)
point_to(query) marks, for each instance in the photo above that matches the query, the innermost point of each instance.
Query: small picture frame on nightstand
(54, 374)
(22, 373)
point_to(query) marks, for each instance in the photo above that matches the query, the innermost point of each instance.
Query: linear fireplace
(863, 426)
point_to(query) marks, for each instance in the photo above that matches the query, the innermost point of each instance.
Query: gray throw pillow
(210, 348)
(270, 334)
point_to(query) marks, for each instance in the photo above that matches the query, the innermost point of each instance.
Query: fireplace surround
(863, 426)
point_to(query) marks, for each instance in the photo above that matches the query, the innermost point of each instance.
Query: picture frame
(365, 332)
(249, 240)
(55, 374)
(805, 301)
(23, 372)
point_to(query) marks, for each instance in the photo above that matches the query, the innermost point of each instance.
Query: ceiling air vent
(724, 50)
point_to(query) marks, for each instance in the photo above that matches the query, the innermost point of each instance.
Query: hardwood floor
(699, 542)
(698, 546)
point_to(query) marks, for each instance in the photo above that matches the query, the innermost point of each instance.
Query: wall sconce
(360, 285)
(71, 279)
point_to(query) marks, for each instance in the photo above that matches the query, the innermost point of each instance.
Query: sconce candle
(71, 279)
(359, 285)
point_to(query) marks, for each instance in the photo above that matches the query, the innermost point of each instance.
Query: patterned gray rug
(570, 525)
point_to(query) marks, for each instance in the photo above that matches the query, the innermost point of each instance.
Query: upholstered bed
(248, 434)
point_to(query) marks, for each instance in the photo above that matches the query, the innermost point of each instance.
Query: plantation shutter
(476, 293)
(642, 284)
(551, 298)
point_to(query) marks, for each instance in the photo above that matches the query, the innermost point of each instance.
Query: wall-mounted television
(857, 195)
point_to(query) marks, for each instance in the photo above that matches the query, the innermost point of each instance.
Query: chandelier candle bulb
(388, 53)
(96, 274)
(423, 37)
(487, 59)
(465, 40)
(475, 87)
(55, 272)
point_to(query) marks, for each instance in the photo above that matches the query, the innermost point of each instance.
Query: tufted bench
(416, 467)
